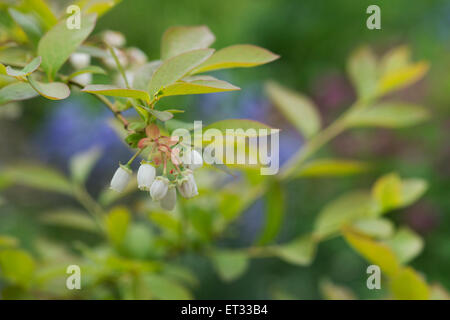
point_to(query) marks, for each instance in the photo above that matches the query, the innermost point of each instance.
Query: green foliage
(230, 265)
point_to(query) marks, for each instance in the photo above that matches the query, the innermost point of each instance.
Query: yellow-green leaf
(179, 39)
(297, 108)
(16, 91)
(89, 69)
(25, 71)
(59, 43)
(388, 115)
(395, 59)
(403, 77)
(362, 69)
(230, 265)
(274, 212)
(409, 285)
(375, 252)
(117, 222)
(70, 218)
(374, 227)
(300, 251)
(198, 85)
(142, 77)
(387, 192)
(237, 56)
(42, 10)
(51, 90)
(28, 24)
(406, 244)
(17, 266)
(332, 167)
(177, 67)
(110, 90)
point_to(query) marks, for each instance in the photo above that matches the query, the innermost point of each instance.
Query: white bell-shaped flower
(114, 38)
(80, 60)
(187, 186)
(192, 159)
(121, 179)
(84, 79)
(145, 176)
(159, 188)
(170, 199)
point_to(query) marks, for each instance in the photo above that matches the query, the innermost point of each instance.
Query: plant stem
(96, 211)
(134, 157)
(119, 66)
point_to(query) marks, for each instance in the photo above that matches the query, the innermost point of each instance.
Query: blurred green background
(314, 39)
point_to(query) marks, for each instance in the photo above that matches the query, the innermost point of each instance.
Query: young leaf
(345, 210)
(181, 39)
(28, 69)
(175, 68)
(298, 109)
(110, 90)
(16, 91)
(100, 7)
(28, 24)
(395, 59)
(41, 9)
(166, 289)
(275, 199)
(116, 223)
(161, 115)
(198, 85)
(362, 68)
(406, 244)
(409, 285)
(402, 78)
(51, 90)
(59, 43)
(237, 56)
(412, 189)
(38, 177)
(230, 265)
(332, 167)
(388, 115)
(69, 218)
(300, 251)
(142, 77)
(374, 227)
(2, 69)
(375, 252)
(89, 69)
(17, 266)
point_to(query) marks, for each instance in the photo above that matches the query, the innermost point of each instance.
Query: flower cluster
(177, 160)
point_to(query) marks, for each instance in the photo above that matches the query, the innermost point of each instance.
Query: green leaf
(138, 241)
(342, 211)
(28, 24)
(244, 124)
(38, 177)
(388, 115)
(406, 244)
(230, 265)
(412, 189)
(375, 252)
(8, 242)
(297, 108)
(374, 227)
(237, 56)
(100, 7)
(70, 218)
(274, 212)
(161, 115)
(409, 285)
(198, 85)
(16, 91)
(332, 167)
(89, 69)
(300, 251)
(165, 221)
(362, 68)
(331, 291)
(177, 67)
(59, 43)
(110, 90)
(28, 69)
(403, 77)
(17, 266)
(142, 77)
(82, 163)
(116, 223)
(2, 69)
(51, 90)
(133, 139)
(164, 288)
(41, 9)
(395, 59)
(180, 39)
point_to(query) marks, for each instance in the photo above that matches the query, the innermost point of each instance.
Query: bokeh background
(314, 39)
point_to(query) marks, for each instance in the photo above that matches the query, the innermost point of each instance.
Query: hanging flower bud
(170, 199)
(192, 159)
(159, 188)
(136, 55)
(80, 60)
(145, 176)
(121, 178)
(114, 38)
(187, 186)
